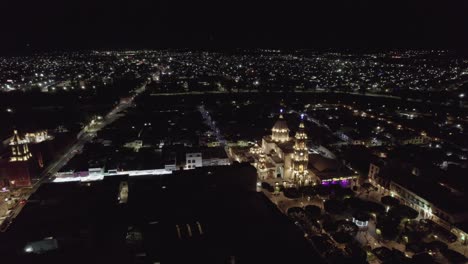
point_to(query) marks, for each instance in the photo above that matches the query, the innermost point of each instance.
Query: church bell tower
(300, 157)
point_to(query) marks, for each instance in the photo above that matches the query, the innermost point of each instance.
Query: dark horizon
(76, 25)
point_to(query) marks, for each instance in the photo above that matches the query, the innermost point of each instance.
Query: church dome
(280, 131)
(281, 124)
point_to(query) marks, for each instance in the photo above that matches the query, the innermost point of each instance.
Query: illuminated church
(21, 167)
(288, 158)
(282, 156)
(19, 148)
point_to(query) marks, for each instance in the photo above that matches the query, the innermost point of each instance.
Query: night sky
(82, 24)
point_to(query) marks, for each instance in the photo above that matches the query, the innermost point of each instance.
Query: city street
(209, 122)
(83, 137)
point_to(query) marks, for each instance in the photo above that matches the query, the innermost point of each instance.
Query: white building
(193, 160)
(205, 157)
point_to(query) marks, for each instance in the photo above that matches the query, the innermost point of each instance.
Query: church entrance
(279, 172)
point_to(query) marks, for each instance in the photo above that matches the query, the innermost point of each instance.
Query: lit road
(86, 136)
(83, 138)
(212, 124)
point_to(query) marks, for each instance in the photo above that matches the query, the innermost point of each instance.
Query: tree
(373, 207)
(322, 191)
(328, 224)
(388, 226)
(366, 206)
(437, 245)
(344, 193)
(368, 186)
(291, 193)
(453, 256)
(295, 210)
(361, 216)
(313, 212)
(356, 253)
(382, 253)
(390, 201)
(423, 258)
(267, 186)
(334, 207)
(308, 190)
(345, 231)
(403, 211)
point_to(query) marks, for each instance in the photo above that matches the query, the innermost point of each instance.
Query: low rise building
(205, 157)
(330, 171)
(430, 199)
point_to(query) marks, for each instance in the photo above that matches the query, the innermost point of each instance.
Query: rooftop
(199, 216)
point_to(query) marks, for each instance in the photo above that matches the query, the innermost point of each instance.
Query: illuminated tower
(21, 167)
(280, 131)
(300, 157)
(261, 166)
(19, 148)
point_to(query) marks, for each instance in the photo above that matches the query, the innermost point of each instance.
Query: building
(413, 140)
(374, 170)
(279, 150)
(350, 136)
(282, 156)
(205, 157)
(21, 166)
(330, 171)
(447, 208)
(170, 161)
(205, 215)
(37, 137)
(193, 160)
(19, 149)
(214, 156)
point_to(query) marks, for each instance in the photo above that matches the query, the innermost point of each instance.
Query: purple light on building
(344, 183)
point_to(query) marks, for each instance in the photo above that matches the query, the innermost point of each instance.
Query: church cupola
(280, 131)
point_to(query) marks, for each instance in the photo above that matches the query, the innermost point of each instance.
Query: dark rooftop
(199, 216)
